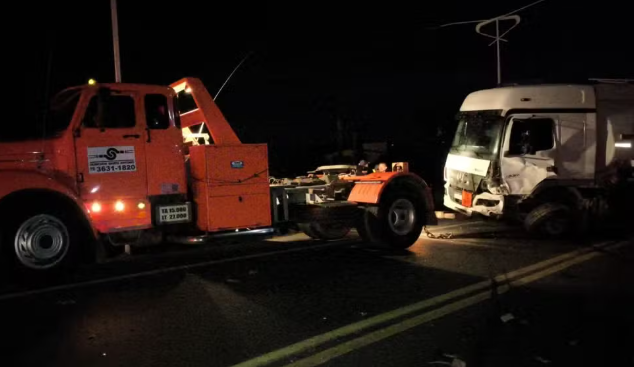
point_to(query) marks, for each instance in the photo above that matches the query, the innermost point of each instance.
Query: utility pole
(115, 41)
(497, 45)
(498, 37)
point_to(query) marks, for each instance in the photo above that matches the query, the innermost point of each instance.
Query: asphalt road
(489, 296)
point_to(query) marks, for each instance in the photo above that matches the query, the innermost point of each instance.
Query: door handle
(131, 136)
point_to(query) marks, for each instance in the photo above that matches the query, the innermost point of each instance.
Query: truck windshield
(61, 111)
(478, 133)
(50, 123)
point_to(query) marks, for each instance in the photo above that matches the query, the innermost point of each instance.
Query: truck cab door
(163, 146)
(110, 153)
(529, 152)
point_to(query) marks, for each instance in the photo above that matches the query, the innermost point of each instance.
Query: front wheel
(396, 222)
(549, 220)
(40, 243)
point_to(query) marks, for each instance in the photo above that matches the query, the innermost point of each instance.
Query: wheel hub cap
(556, 226)
(402, 216)
(41, 242)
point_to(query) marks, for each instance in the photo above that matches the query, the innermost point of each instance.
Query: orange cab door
(163, 147)
(110, 148)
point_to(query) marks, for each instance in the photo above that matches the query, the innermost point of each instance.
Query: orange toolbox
(231, 186)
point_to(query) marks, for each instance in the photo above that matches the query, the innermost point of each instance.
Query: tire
(331, 212)
(324, 230)
(41, 242)
(308, 231)
(396, 223)
(550, 220)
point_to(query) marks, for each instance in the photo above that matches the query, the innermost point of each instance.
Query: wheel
(329, 212)
(324, 231)
(40, 242)
(396, 222)
(307, 229)
(549, 219)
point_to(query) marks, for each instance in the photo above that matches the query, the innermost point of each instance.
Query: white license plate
(173, 213)
(457, 195)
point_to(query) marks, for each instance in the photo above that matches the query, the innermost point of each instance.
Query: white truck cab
(515, 143)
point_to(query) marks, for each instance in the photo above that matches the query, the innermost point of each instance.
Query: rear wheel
(325, 221)
(324, 231)
(396, 222)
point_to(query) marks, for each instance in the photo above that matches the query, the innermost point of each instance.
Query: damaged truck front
(553, 156)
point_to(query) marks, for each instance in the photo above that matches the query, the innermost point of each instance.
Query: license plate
(467, 199)
(173, 213)
(457, 196)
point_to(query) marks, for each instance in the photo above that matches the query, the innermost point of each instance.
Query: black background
(382, 68)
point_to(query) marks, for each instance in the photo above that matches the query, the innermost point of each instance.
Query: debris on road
(507, 317)
(233, 280)
(455, 361)
(542, 360)
(442, 236)
(65, 302)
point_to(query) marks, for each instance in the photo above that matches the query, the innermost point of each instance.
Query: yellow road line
(378, 335)
(347, 330)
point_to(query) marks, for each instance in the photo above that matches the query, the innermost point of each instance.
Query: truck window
(156, 111)
(31, 126)
(61, 112)
(531, 135)
(118, 112)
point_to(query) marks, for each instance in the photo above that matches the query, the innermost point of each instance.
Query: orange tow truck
(135, 165)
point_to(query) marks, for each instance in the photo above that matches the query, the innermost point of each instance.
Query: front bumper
(484, 203)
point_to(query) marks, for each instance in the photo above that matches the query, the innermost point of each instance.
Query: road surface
(489, 296)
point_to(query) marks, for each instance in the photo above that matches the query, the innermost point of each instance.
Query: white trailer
(550, 155)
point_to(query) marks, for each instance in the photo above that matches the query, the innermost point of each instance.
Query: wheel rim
(41, 242)
(555, 227)
(402, 216)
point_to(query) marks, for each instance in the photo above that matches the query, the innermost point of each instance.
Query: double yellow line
(515, 278)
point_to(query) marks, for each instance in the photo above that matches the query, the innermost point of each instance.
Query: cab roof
(143, 88)
(532, 97)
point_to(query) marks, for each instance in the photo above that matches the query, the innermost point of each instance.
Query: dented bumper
(484, 203)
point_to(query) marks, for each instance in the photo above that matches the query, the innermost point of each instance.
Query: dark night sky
(379, 67)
